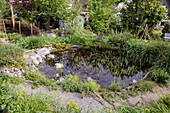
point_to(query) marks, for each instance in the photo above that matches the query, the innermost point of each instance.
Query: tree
(138, 13)
(101, 14)
(42, 11)
(2, 7)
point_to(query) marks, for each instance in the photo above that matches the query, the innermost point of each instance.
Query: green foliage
(115, 85)
(2, 7)
(99, 12)
(145, 54)
(139, 13)
(72, 107)
(30, 75)
(14, 37)
(91, 85)
(72, 83)
(9, 79)
(166, 28)
(145, 86)
(165, 100)
(33, 42)
(19, 101)
(47, 82)
(2, 34)
(81, 36)
(11, 56)
(160, 76)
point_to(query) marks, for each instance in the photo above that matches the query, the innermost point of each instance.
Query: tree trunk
(48, 22)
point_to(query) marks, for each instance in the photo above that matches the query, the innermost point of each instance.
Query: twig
(137, 84)
(98, 98)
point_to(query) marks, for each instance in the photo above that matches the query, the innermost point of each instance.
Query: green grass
(160, 76)
(11, 56)
(74, 84)
(33, 42)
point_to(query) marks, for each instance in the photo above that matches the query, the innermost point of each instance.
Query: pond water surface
(101, 64)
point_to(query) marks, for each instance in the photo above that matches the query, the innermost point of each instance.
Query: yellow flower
(76, 108)
(138, 105)
(72, 102)
(76, 104)
(67, 103)
(146, 109)
(20, 97)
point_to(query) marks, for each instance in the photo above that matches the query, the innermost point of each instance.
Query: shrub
(9, 79)
(30, 75)
(166, 28)
(115, 86)
(11, 56)
(72, 83)
(160, 76)
(14, 37)
(82, 36)
(25, 28)
(165, 100)
(91, 85)
(47, 82)
(145, 86)
(19, 101)
(33, 42)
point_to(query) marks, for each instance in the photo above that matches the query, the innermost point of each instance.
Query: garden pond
(104, 65)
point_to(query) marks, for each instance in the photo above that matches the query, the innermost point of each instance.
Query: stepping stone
(146, 99)
(133, 101)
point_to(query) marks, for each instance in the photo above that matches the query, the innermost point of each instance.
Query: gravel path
(84, 103)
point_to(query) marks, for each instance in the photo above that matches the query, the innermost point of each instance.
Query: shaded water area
(101, 64)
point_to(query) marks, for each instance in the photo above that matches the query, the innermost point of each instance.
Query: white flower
(58, 65)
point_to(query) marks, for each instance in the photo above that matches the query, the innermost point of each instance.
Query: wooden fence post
(6, 36)
(31, 29)
(19, 27)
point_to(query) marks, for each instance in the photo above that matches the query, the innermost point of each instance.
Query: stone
(117, 104)
(51, 35)
(146, 99)
(36, 59)
(59, 66)
(119, 93)
(51, 56)
(60, 79)
(89, 79)
(133, 101)
(133, 82)
(32, 67)
(43, 51)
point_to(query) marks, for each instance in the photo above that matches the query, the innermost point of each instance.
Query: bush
(166, 28)
(11, 56)
(25, 28)
(72, 83)
(82, 36)
(14, 37)
(160, 76)
(19, 101)
(30, 75)
(145, 86)
(91, 85)
(33, 42)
